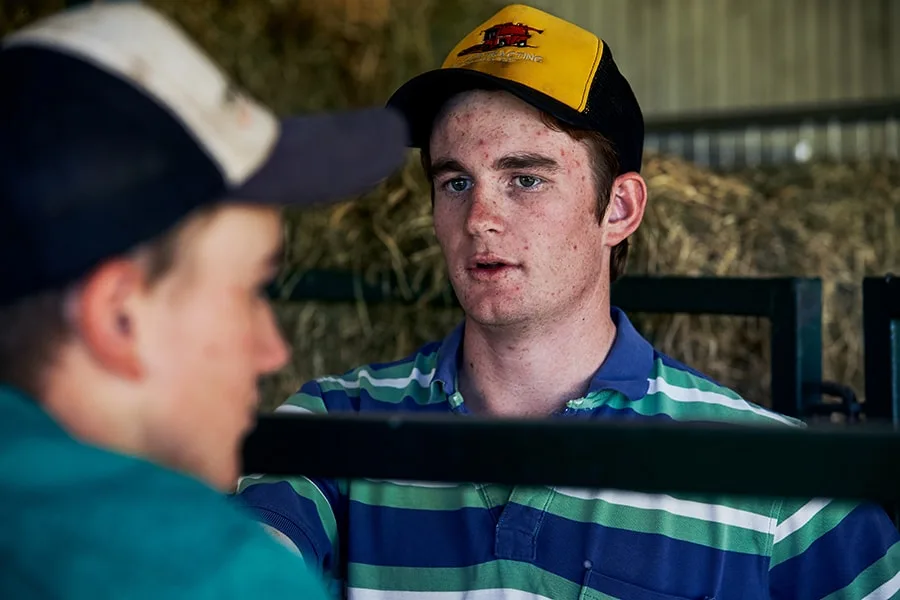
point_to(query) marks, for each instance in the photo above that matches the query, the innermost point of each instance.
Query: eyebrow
(526, 161)
(510, 162)
(446, 165)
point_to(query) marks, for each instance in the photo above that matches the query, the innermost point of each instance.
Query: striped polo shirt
(376, 539)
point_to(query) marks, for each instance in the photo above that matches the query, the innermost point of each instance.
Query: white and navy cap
(114, 125)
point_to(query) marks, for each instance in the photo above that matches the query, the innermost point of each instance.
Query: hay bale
(14, 15)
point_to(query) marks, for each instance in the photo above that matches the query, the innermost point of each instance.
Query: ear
(105, 314)
(626, 207)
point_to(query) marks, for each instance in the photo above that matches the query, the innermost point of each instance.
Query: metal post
(881, 352)
(796, 342)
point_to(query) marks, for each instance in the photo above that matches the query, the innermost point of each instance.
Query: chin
(494, 316)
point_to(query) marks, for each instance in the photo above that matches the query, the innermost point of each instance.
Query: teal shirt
(82, 522)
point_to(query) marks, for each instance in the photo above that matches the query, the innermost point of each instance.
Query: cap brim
(422, 97)
(328, 157)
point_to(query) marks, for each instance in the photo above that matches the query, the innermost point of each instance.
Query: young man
(139, 224)
(533, 141)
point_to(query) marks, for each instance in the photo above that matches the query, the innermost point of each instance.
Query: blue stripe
(834, 560)
(420, 538)
(339, 401)
(465, 537)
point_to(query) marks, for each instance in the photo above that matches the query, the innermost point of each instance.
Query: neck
(91, 408)
(534, 371)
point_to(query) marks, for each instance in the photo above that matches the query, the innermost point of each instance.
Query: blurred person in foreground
(140, 196)
(533, 142)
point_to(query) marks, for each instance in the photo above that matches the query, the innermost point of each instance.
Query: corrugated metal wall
(690, 56)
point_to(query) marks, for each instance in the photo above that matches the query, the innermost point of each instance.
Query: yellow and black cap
(546, 61)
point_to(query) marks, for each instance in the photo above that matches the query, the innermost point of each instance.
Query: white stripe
(489, 594)
(713, 513)
(800, 518)
(421, 484)
(151, 52)
(292, 408)
(423, 379)
(682, 394)
(885, 590)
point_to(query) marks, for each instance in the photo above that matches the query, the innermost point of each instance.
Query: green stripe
(659, 522)
(425, 363)
(681, 410)
(307, 489)
(495, 574)
(660, 404)
(399, 495)
(412, 390)
(685, 379)
(876, 575)
(799, 541)
(307, 401)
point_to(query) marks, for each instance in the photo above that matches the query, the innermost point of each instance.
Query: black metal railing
(881, 335)
(780, 461)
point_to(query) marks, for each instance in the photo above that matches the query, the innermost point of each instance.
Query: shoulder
(384, 385)
(684, 393)
(845, 548)
(116, 526)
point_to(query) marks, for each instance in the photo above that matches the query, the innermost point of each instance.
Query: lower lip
(490, 274)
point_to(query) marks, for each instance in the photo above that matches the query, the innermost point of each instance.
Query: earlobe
(104, 318)
(627, 203)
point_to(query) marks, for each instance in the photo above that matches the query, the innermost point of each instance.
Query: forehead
(494, 121)
(236, 238)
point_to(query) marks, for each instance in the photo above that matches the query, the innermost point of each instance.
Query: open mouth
(490, 266)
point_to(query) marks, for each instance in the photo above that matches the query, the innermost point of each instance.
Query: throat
(529, 381)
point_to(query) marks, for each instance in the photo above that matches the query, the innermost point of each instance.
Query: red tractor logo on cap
(505, 34)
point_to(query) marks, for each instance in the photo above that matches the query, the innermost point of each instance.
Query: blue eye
(458, 184)
(528, 181)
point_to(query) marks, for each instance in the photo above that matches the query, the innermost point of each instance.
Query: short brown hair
(33, 329)
(605, 165)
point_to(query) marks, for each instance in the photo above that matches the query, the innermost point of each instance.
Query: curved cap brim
(328, 157)
(421, 98)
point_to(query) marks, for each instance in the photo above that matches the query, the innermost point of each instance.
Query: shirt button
(588, 565)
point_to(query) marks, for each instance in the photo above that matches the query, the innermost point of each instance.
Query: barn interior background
(772, 150)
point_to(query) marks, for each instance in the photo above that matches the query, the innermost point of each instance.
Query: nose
(485, 213)
(272, 350)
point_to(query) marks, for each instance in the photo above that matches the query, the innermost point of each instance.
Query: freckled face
(515, 212)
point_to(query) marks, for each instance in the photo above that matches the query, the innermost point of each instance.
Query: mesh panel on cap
(613, 109)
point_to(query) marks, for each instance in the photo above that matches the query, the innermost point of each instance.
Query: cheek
(448, 223)
(211, 337)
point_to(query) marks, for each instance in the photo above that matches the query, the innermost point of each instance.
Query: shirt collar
(626, 369)
(628, 365)
(448, 357)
